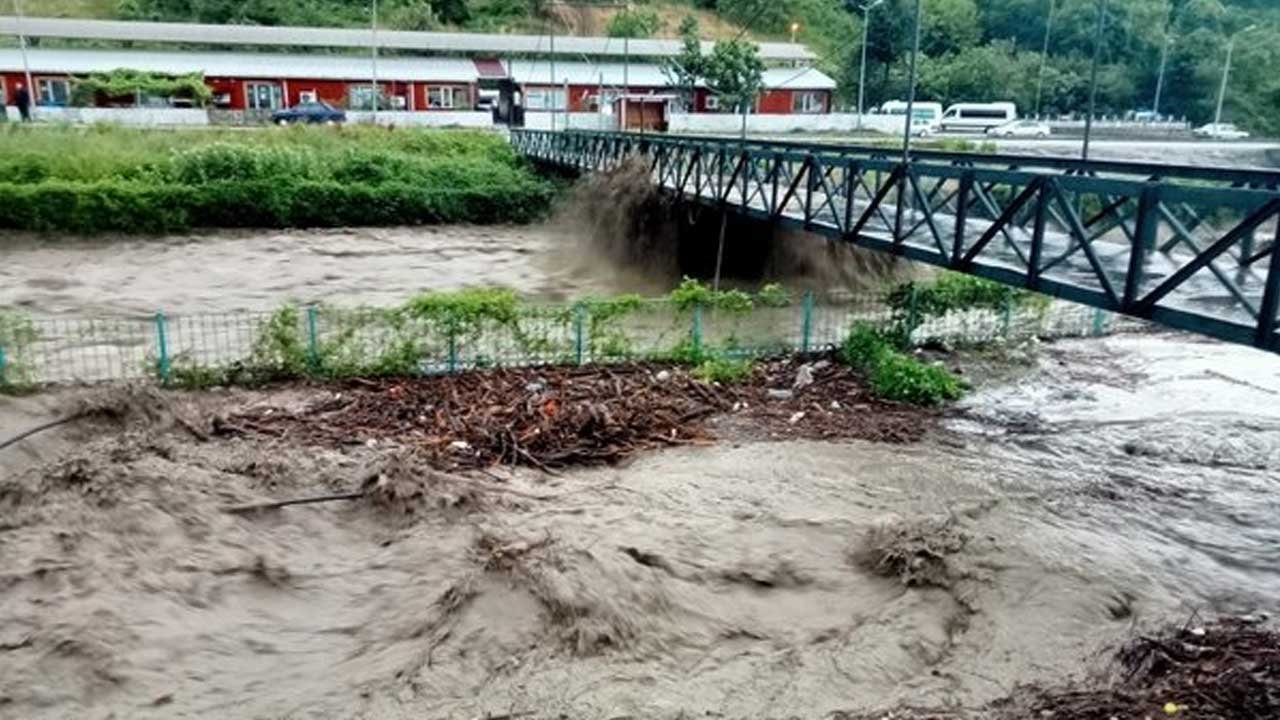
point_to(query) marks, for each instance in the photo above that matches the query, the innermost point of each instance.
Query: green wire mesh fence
(332, 342)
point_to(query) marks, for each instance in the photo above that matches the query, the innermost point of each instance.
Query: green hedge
(135, 207)
(894, 375)
(117, 180)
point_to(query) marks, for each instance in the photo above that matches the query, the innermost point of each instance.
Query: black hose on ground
(37, 429)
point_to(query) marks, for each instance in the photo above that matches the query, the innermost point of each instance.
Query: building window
(807, 102)
(446, 98)
(545, 99)
(52, 92)
(360, 97)
(262, 96)
(713, 102)
(307, 96)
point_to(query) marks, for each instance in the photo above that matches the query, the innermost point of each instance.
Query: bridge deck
(1193, 248)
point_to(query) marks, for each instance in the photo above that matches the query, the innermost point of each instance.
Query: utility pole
(1164, 60)
(862, 67)
(553, 76)
(1044, 56)
(26, 65)
(1093, 77)
(626, 82)
(373, 27)
(904, 181)
(1226, 73)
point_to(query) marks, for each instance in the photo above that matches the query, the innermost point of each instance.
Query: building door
(262, 96)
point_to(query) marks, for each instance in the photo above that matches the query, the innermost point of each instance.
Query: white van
(978, 117)
(926, 115)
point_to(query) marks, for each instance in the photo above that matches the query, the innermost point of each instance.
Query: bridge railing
(1189, 247)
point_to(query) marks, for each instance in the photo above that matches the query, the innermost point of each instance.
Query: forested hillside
(973, 49)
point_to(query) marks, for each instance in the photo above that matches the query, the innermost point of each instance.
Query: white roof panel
(647, 75)
(491, 43)
(246, 65)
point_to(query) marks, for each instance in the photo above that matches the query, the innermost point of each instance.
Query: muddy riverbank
(1095, 488)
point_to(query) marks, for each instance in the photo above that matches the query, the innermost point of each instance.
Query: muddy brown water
(222, 271)
(1101, 486)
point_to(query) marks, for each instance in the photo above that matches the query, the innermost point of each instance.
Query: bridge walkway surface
(1193, 248)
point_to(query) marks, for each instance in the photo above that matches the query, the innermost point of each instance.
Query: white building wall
(724, 124)
(541, 120)
(145, 117)
(433, 118)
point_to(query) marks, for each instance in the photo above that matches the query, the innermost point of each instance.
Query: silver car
(1220, 131)
(1021, 128)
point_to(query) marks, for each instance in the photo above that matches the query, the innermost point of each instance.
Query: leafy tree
(949, 26)
(638, 23)
(685, 70)
(734, 72)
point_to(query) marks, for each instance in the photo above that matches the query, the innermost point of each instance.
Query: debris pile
(1228, 670)
(554, 417)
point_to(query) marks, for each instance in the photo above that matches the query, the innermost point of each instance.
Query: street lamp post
(1226, 73)
(795, 27)
(862, 68)
(1044, 56)
(906, 131)
(373, 29)
(1164, 61)
(1093, 77)
(26, 66)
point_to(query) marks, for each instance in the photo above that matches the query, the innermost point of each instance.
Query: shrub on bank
(894, 375)
(166, 181)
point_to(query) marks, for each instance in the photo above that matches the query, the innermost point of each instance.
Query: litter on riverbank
(554, 417)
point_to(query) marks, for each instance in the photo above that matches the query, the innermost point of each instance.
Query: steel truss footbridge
(1194, 248)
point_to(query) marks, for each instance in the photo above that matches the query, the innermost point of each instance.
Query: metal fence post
(913, 313)
(313, 341)
(453, 353)
(162, 348)
(579, 322)
(806, 327)
(696, 333)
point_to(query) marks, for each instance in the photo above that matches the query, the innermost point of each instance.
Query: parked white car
(1021, 128)
(1220, 131)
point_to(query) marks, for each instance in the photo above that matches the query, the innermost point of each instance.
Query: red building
(462, 71)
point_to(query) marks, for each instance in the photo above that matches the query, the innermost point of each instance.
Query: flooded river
(222, 271)
(1110, 485)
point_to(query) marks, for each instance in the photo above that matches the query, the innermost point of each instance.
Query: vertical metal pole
(1164, 61)
(1222, 89)
(905, 177)
(724, 219)
(162, 348)
(696, 332)
(1093, 77)
(26, 65)
(579, 335)
(862, 67)
(313, 341)
(626, 82)
(553, 75)
(1044, 56)
(3, 364)
(806, 325)
(373, 24)
(453, 352)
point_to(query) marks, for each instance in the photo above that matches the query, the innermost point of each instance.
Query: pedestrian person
(23, 100)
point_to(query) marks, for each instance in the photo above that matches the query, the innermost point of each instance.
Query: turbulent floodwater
(1110, 484)
(223, 271)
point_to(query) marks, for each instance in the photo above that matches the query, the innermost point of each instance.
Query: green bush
(98, 180)
(723, 370)
(894, 375)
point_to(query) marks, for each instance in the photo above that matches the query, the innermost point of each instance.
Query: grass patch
(895, 375)
(105, 179)
(724, 371)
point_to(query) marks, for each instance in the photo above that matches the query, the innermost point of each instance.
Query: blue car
(314, 113)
